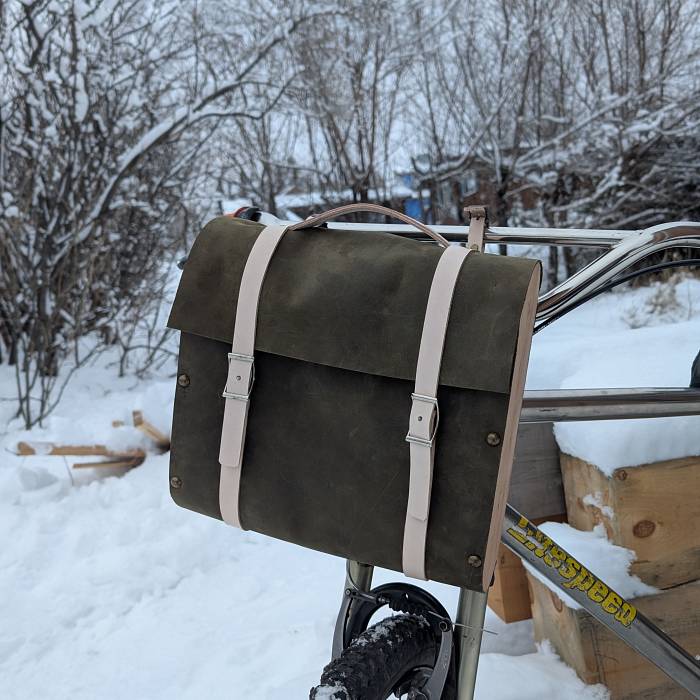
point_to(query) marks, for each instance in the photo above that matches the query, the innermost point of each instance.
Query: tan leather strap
(241, 371)
(424, 416)
(374, 208)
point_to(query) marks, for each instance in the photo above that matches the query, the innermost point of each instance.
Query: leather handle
(318, 219)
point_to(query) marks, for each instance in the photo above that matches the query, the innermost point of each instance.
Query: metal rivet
(493, 439)
(175, 482)
(474, 560)
(183, 380)
(238, 378)
(420, 418)
(621, 475)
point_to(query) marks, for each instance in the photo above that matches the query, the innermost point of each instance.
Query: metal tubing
(629, 251)
(608, 404)
(600, 600)
(471, 611)
(358, 575)
(593, 238)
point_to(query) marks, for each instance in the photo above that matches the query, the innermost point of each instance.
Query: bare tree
(107, 108)
(349, 89)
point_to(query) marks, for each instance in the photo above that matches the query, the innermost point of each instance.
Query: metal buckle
(245, 358)
(422, 441)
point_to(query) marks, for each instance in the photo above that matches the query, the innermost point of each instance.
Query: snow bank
(594, 347)
(540, 675)
(606, 560)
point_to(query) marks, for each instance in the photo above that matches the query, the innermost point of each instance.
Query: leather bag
(357, 393)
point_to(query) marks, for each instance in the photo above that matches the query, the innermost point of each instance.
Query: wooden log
(535, 485)
(509, 596)
(650, 509)
(161, 439)
(598, 656)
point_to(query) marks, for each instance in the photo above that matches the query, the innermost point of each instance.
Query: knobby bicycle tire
(380, 659)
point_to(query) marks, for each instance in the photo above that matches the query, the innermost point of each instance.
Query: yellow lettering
(530, 535)
(546, 542)
(583, 581)
(555, 557)
(612, 603)
(598, 592)
(569, 568)
(626, 614)
(517, 535)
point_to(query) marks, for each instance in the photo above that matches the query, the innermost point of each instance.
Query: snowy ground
(108, 590)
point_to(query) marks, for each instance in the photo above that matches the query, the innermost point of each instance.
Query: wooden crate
(598, 656)
(654, 512)
(535, 482)
(509, 597)
(535, 490)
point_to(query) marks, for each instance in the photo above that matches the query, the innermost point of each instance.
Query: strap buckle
(233, 358)
(418, 440)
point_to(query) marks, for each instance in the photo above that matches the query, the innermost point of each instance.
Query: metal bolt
(238, 378)
(493, 439)
(183, 380)
(621, 475)
(474, 560)
(175, 482)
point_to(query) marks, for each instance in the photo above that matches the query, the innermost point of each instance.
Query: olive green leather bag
(357, 393)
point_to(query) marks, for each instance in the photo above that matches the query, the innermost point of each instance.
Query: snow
(110, 590)
(608, 561)
(596, 500)
(539, 675)
(624, 340)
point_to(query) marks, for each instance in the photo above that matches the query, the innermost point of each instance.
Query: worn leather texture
(356, 301)
(326, 464)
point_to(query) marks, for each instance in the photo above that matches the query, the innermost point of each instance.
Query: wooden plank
(536, 485)
(161, 439)
(598, 656)
(125, 461)
(509, 597)
(510, 434)
(649, 509)
(27, 449)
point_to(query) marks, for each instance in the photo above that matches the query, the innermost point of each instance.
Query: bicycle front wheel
(392, 658)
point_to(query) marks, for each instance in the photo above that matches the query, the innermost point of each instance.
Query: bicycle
(421, 654)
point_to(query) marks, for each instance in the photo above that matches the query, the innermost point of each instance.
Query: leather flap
(356, 301)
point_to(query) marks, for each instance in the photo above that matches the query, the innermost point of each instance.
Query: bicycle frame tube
(599, 599)
(627, 252)
(608, 404)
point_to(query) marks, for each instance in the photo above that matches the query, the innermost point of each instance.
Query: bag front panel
(326, 463)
